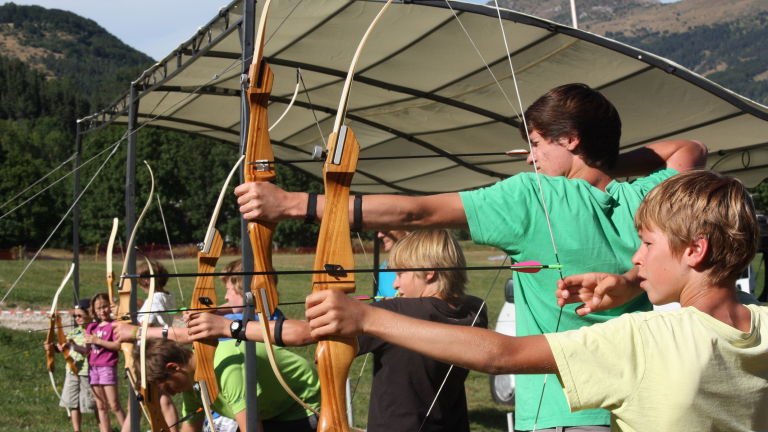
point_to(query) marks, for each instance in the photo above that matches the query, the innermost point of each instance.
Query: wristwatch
(235, 328)
(165, 331)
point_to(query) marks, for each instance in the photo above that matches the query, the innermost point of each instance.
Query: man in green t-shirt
(173, 366)
(574, 133)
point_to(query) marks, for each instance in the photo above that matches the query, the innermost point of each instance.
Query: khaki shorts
(77, 396)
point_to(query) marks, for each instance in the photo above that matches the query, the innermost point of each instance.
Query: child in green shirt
(703, 367)
(171, 365)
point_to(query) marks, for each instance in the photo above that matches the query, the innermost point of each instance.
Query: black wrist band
(311, 209)
(279, 331)
(241, 332)
(357, 214)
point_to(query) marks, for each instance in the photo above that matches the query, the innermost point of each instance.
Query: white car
(503, 386)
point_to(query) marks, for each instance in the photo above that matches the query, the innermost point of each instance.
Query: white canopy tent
(422, 88)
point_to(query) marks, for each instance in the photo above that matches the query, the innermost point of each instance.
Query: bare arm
(333, 313)
(265, 201)
(204, 326)
(679, 155)
(124, 333)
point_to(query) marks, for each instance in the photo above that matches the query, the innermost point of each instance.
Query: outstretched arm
(265, 201)
(331, 312)
(207, 326)
(679, 155)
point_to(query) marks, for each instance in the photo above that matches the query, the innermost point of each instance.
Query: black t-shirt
(405, 383)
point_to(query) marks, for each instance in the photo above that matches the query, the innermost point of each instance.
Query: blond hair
(236, 266)
(705, 204)
(236, 281)
(430, 249)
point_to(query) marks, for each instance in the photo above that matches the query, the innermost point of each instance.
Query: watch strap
(278, 333)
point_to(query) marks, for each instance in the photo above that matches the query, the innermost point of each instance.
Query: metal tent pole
(247, 33)
(130, 223)
(76, 219)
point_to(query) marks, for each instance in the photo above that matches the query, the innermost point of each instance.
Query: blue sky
(155, 33)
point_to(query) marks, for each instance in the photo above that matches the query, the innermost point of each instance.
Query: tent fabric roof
(421, 88)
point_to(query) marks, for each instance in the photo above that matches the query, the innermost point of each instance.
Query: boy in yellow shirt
(703, 367)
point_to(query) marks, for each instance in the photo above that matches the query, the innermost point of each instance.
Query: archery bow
(259, 148)
(150, 396)
(334, 251)
(204, 297)
(54, 323)
(124, 293)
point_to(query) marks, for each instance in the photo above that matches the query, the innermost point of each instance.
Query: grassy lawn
(29, 401)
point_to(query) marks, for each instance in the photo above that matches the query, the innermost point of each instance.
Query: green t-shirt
(594, 232)
(274, 403)
(668, 371)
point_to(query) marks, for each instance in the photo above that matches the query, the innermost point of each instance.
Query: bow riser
(204, 288)
(50, 338)
(150, 398)
(123, 314)
(334, 355)
(110, 272)
(259, 147)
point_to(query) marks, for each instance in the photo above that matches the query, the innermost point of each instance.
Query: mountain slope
(62, 44)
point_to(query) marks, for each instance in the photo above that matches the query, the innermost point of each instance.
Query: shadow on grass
(494, 419)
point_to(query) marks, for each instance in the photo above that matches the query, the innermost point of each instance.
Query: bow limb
(150, 396)
(110, 272)
(126, 285)
(54, 323)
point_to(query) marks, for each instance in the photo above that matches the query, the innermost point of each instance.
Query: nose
(529, 159)
(381, 234)
(637, 257)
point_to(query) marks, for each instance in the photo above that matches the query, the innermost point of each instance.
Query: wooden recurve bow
(148, 391)
(204, 296)
(258, 167)
(334, 254)
(124, 296)
(55, 334)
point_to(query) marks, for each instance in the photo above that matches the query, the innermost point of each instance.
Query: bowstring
(170, 247)
(521, 117)
(376, 283)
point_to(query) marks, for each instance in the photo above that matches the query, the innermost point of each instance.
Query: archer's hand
(331, 312)
(62, 347)
(47, 346)
(207, 326)
(123, 332)
(264, 201)
(598, 291)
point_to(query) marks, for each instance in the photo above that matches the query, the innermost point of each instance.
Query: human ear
(429, 277)
(696, 253)
(571, 142)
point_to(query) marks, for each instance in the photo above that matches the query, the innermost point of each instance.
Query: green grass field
(29, 402)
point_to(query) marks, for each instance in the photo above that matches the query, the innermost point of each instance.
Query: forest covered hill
(56, 67)
(723, 40)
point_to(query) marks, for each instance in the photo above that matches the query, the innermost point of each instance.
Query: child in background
(102, 362)
(703, 367)
(77, 393)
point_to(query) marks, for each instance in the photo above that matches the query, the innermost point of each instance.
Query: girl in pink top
(103, 361)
